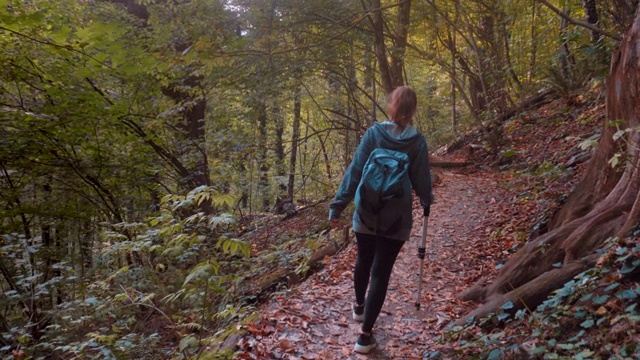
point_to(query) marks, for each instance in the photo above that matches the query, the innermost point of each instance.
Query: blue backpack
(384, 191)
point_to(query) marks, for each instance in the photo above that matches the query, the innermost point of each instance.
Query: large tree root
(532, 272)
(534, 292)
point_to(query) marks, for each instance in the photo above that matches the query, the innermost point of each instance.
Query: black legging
(376, 256)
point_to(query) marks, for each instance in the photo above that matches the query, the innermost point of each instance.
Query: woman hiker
(377, 252)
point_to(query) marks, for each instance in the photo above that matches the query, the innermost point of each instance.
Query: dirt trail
(313, 320)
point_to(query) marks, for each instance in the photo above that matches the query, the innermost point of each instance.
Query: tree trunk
(85, 244)
(391, 74)
(454, 115)
(352, 90)
(534, 42)
(370, 82)
(397, 50)
(192, 127)
(377, 25)
(279, 149)
(605, 202)
(565, 52)
(263, 180)
(295, 137)
(592, 17)
(622, 12)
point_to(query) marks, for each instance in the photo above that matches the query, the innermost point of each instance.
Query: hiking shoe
(358, 312)
(365, 344)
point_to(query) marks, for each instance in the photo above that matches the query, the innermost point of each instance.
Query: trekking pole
(421, 254)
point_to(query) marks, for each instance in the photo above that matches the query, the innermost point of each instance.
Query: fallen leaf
(286, 345)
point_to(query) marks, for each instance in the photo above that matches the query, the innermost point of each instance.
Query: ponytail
(402, 104)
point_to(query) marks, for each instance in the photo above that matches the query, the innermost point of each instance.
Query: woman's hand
(335, 223)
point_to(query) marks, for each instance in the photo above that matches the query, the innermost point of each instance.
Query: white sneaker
(365, 344)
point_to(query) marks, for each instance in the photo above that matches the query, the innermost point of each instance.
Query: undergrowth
(163, 288)
(593, 316)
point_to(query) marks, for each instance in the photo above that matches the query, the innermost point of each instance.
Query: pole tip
(417, 306)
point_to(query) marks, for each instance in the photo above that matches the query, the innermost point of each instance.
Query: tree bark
(454, 114)
(263, 179)
(279, 150)
(592, 18)
(534, 42)
(295, 137)
(565, 52)
(605, 203)
(376, 20)
(391, 74)
(400, 42)
(192, 127)
(532, 293)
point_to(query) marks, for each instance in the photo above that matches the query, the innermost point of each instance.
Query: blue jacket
(387, 135)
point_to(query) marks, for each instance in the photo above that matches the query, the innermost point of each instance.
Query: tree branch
(580, 22)
(49, 43)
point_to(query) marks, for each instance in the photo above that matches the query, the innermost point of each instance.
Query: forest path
(313, 320)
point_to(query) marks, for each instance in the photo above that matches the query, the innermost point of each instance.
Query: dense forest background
(141, 138)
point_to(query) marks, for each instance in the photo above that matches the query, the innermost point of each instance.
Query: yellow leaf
(601, 310)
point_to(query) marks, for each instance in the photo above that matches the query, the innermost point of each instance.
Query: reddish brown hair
(402, 104)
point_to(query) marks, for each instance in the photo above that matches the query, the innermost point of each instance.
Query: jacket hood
(392, 136)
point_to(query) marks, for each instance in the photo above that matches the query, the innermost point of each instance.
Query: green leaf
(122, 270)
(566, 346)
(586, 297)
(588, 144)
(584, 354)
(508, 153)
(587, 323)
(91, 301)
(600, 299)
(627, 294)
(627, 269)
(618, 134)
(612, 286)
(233, 246)
(579, 314)
(188, 342)
(508, 305)
(615, 160)
(203, 271)
(621, 250)
(120, 297)
(147, 298)
(538, 350)
(495, 354)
